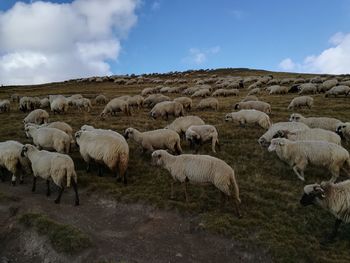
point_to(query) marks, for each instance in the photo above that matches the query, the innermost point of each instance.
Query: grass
(63, 238)
(270, 191)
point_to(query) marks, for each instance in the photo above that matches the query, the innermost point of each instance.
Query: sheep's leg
(218, 144)
(185, 190)
(75, 187)
(2, 175)
(48, 192)
(88, 168)
(172, 190)
(58, 199)
(21, 181)
(13, 179)
(335, 174)
(34, 184)
(213, 143)
(300, 176)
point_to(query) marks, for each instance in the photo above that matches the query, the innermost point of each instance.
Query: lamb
(198, 134)
(185, 101)
(327, 85)
(254, 105)
(225, 92)
(37, 116)
(58, 104)
(49, 138)
(155, 140)
(266, 138)
(338, 90)
(209, 103)
(181, 124)
(249, 116)
(326, 123)
(278, 90)
(299, 154)
(55, 166)
(309, 135)
(335, 198)
(11, 160)
(4, 106)
(114, 106)
(101, 99)
(166, 108)
(307, 88)
(302, 101)
(153, 99)
(250, 98)
(104, 148)
(199, 169)
(201, 93)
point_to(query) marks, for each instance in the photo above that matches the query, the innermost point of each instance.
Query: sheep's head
(340, 129)
(25, 149)
(237, 106)
(228, 117)
(129, 132)
(311, 192)
(158, 157)
(77, 136)
(295, 117)
(276, 143)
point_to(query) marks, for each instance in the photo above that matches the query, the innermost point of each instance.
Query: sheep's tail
(235, 187)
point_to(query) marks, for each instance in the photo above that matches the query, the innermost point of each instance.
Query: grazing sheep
(185, 101)
(11, 160)
(4, 106)
(153, 99)
(49, 138)
(250, 98)
(299, 154)
(148, 91)
(82, 103)
(181, 124)
(101, 99)
(104, 148)
(199, 169)
(302, 101)
(278, 90)
(343, 129)
(307, 88)
(15, 97)
(254, 91)
(135, 101)
(225, 92)
(37, 116)
(335, 198)
(60, 125)
(45, 103)
(309, 135)
(166, 108)
(338, 90)
(116, 105)
(208, 103)
(28, 104)
(155, 140)
(254, 105)
(249, 116)
(59, 104)
(201, 93)
(198, 134)
(56, 166)
(327, 85)
(266, 138)
(326, 123)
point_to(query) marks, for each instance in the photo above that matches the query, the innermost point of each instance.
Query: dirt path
(120, 232)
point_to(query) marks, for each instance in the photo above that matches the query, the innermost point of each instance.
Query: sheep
(37, 116)
(225, 92)
(44, 103)
(82, 103)
(201, 93)
(104, 147)
(15, 97)
(278, 90)
(166, 108)
(315, 134)
(185, 101)
(266, 138)
(11, 160)
(327, 85)
(153, 99)
(254, 91)
(181, 124)
(28, 103)
(198, 134)
(209, 103)
(307, 88)
(56, 166)
(343, 129)
(326, 123)
(249, 116)
(338, 90)
(135, 101)
(114, 106)
(58, 104)
(199, 169)
(60, 125)
(302, 101)
(74, 97)
(4, 106)
(101, 99)
(334, 198)
(250, 98)
(148, 91)
(155, 140)
(299, 154)
(254, 105)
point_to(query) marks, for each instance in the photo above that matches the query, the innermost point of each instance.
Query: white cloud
(287, 64)
(199, 57)
(44, 41)
(333, 60)
(155, 5)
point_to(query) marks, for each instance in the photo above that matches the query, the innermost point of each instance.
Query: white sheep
(225, 92)
(185, 101)
(278, 90)
(250, 98)
(327, 85)
(44, 103)
(343, 129)
(56, 166)
(302, 101)
(116, 105)
(101, 99)
(65, 127)
(243, 117)
(166, 108)
(153, 99)
(254, 91)
(201, 93)
(326, 123)
(58, 104)
(254, 105)
(299, 154)
(181, 124)
(338, 90)
(82, 103)
(307, 88)
(198, 134)
(135, 101)
(11, 160)
(105, 148)
(37, 116)
(4, 106)
(199, 169)
(49, 138)
(156, 139)
(208, 103)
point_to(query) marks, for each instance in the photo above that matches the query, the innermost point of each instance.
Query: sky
(45, 41)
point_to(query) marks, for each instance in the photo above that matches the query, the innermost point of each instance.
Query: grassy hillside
(270, 191)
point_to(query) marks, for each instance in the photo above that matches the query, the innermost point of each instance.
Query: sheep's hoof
(57, 201)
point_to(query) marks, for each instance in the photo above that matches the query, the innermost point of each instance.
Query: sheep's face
(157, 158)
(295, 117)
(228, 117)
(339, 130)
(24, 151)
(311, 193)
(237, 106)
(27, 132)
(129, 132)
(77, 136)
(275, 143)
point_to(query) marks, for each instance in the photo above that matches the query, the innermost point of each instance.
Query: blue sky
(165, 35)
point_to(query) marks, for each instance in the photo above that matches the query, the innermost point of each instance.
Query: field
(273, 220)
